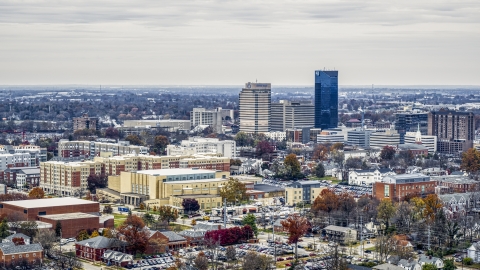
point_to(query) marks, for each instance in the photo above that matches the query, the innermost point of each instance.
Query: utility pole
(428, 237)
(225, 213)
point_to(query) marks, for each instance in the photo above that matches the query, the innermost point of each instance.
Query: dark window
(43, 213)
(25, 211)
(1, 205)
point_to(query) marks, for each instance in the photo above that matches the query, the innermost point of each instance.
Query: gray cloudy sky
(176, 42)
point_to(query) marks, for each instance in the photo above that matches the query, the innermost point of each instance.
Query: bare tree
(201, 261)
(254, 261)
(47, 239)
(384, 246)
(336, 261)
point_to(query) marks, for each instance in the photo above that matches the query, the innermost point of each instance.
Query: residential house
(11, 254)
(341, 235)
(424, 259)
(473, 252)
(409, 264)
(112, 257)
(26, 238)
(93, 249)
(387, 266)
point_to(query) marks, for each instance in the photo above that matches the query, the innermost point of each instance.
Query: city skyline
(228, 42)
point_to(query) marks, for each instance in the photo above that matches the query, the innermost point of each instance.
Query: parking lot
(154, 262)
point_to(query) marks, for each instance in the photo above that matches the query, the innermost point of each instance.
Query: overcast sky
(163, 42)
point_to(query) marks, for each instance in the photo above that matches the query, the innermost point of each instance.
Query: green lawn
(118, 219)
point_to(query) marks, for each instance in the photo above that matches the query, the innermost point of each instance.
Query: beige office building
(255, 107)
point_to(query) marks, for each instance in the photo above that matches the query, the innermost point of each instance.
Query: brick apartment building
(11, 255)
(85, 122)
(455, 131)
(396, 187)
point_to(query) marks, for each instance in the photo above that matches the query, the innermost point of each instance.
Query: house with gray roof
(117, 258)
(424, 259)
(26, 238)
(10, 254)
(410, 264)
(167, 240)
(93, 249)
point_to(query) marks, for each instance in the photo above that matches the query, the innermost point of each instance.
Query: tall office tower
(255, 105)
(326, 99)
(290, 115)
(409, 122)
(455, 131)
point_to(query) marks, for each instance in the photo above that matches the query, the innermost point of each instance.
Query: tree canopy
(234, 191)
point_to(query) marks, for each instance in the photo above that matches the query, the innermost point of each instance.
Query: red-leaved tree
(296, 226)
(229, 236)
(134, 232)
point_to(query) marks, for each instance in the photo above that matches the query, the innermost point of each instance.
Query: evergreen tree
(58, 229)
(4, 229)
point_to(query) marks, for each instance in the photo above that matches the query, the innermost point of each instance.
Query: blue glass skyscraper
(326, 99)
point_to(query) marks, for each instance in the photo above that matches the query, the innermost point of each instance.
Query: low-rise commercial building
(396, 187)
(455, 183)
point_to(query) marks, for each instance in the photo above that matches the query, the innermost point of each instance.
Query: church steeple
(418, 136)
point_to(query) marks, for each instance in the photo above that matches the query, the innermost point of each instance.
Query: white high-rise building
(255, 107)
(213, 118)
(291, 115)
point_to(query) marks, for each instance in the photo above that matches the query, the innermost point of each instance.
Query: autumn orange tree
(320, 152)
(134, 232)
(326, 202)
(471, 161)
(296, 226)
(36, 193)
(433, 204)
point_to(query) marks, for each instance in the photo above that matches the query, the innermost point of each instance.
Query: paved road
(88, 266)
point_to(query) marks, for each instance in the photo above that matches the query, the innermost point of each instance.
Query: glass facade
(326, 99)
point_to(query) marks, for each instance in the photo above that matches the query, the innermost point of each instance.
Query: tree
(264, 148)
(82, 235)
(327, 202)
(134, 232)
(157, 244)
(256, 261)
(58, 229)
(386, 210)
(148, 219)
(194, 222)
(387, 153)
(242, 139)
(96, 181)
(18, 241)
(251, 221)
(296, 226)
(429, 266)
(36, 193)
(190, 205)
(94, 234)
(449, 264)
(134, 139)
(201, 261)
(167, 213)
(346, 205)
(384, 246)
(107, 209)
(231, 254)
(471, 161)
(47, 239)
(160, 143)
(320, 170)
(4, 228)
(292, 167)
(112, 133)
(433, 205)
(29, 228)
(320, 153)
(336, 146)
(234, 191)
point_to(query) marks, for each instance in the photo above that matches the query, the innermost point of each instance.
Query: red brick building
(74, 214)
(168, 238)
(396, 187)
(11, 255)
(93, 249)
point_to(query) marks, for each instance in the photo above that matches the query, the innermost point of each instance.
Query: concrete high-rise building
(255, 107)
(359, 137)
(85, 122)
(213, 118)
(290, 115)
(455, 131)
(326, 99)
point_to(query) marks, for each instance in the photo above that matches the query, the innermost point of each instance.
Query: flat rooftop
(168, 172)
(49, 202)
(69, 216)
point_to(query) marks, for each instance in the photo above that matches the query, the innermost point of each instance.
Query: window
(387, 191)
(42, 213)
